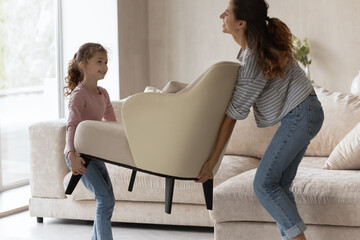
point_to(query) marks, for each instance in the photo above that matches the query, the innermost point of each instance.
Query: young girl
(90, 102)
(271, 82)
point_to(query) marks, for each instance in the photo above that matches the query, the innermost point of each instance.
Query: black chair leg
(208, 192)
(132, 180)
(169, 190)
(75, 178)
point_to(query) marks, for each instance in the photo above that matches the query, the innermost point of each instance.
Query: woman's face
(230, 23)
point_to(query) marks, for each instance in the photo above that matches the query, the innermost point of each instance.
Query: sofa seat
(328, 197)
(150, 188)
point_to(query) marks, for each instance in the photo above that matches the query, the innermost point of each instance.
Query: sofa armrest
(117, 105)
(47, 162)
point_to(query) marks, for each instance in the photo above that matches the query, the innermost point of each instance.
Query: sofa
(326, 187)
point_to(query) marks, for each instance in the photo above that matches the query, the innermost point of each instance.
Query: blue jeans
(97, 181)
(279, 164)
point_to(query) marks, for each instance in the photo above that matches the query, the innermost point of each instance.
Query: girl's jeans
(278, 166)
(97, 181)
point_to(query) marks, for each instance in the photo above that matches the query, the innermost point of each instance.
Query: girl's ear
(82, 65)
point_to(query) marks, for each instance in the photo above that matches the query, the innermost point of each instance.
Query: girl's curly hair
(75, 76)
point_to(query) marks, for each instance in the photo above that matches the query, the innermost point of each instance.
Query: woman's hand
(206, 172)
(226, 129)
(77, 164)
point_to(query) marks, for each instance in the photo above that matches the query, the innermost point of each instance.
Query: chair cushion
(324, 197)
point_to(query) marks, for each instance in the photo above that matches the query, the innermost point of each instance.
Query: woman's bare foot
(299, 237)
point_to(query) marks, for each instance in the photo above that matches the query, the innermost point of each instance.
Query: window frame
(60, 85)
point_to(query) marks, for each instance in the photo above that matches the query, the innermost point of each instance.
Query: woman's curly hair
(270, 38)
(75, 76)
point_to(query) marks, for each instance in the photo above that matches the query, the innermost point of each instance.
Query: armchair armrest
(47, 162)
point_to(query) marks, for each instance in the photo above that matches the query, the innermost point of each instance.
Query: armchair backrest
(174, 134)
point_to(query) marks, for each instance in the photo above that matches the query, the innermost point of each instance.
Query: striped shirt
(271, 100)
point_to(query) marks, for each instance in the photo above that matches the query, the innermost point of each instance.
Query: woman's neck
(240, 39)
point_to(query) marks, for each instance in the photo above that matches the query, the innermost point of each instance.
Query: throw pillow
(174, 87)
(346, 154)
(152, 89)
(342, 114)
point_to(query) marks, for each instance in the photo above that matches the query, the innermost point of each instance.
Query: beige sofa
(328, 200)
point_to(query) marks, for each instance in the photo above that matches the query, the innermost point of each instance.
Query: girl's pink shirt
(86, 105)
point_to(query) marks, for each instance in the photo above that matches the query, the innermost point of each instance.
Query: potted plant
(302, 50)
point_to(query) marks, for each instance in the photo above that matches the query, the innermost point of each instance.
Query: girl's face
(230, 23)
(96, 67)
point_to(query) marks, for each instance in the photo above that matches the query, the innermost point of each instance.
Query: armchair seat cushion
(105, 140)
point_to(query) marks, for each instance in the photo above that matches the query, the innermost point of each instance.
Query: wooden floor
(21, 226)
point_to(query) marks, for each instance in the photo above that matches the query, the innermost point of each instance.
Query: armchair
(169, 135)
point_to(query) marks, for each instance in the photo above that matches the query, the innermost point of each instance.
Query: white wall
(333, 29)
(133, 46)
(92, 21)
(185, 38)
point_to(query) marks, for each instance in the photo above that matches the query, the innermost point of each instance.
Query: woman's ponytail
(280, 35)
(269, 37)
(278, 52)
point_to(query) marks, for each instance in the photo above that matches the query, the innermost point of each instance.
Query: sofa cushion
(249, 140)
(346, 154)
(152, 90)
(324, 197)
(174, 87)
(313, 162)
(152, 188)
(342, 113)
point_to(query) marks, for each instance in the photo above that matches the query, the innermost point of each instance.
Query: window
(92, 21)
(28, 83)
(34, 54)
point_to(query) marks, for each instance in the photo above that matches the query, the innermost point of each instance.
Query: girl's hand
(77, 164)
(206, 172)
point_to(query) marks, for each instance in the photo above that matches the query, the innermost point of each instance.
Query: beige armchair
(169, 135)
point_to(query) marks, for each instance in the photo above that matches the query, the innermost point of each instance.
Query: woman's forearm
(224, 135)
(225, 132)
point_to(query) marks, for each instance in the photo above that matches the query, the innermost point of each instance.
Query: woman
(271, 82)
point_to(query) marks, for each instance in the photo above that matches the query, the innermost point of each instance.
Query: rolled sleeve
(234, 114)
